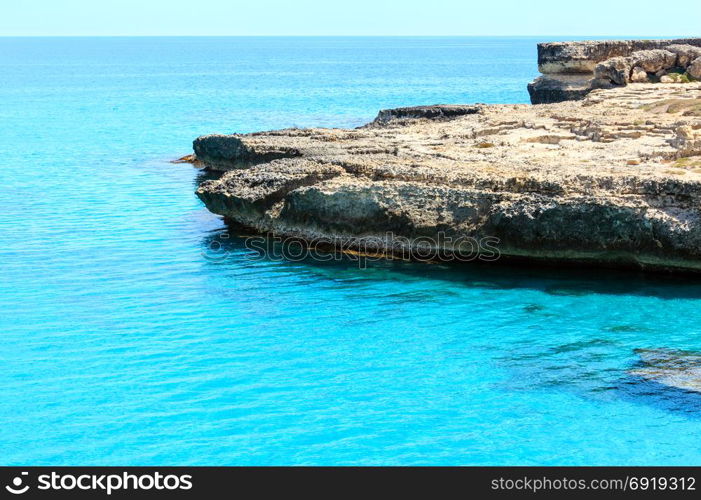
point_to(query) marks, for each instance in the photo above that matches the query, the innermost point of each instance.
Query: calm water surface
(125, 341)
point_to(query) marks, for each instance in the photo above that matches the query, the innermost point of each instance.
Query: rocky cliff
(613, 179)
(570, 70)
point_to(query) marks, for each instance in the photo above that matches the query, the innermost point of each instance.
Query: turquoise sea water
(134, 332)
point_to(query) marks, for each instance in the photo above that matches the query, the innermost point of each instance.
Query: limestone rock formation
(694, 68)
(685, 53)
(613, 179)
(583, 56)
(558, 88)
(570, 70)
(430, 112)
(616, 70)
(639, 75)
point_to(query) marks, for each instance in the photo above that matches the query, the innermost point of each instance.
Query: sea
(137, 329)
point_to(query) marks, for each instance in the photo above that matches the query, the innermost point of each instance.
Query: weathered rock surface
(583, 56)
(685, 53)
(639, 75)
(611, 180)
(694, 68)
(557, 88)
(603, 64)
(616, 70)
(671, 368)
(429, 112)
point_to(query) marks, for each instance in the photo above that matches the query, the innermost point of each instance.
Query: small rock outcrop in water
(428, 112)
(191, 159)
(570, 70)
(613, 179)
(671, 368)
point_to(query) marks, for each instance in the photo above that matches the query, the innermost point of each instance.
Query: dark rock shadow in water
(569, 281)
(593, 368)
(640, 390)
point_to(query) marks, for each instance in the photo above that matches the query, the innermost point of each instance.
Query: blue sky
(350, 17)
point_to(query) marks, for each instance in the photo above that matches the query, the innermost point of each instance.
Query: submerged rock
(671, 368)
(610, 180)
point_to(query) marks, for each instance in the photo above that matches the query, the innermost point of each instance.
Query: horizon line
(343, 36)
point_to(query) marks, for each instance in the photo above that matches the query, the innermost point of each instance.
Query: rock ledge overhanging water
(612, 179)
